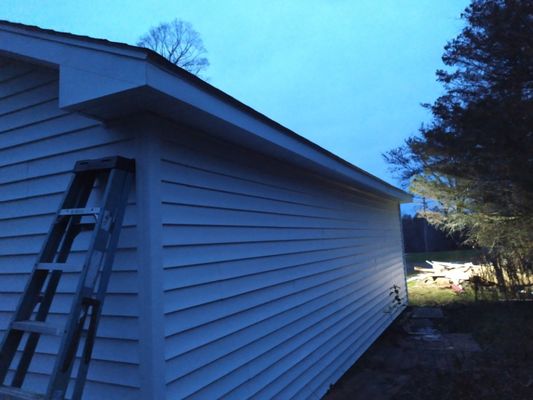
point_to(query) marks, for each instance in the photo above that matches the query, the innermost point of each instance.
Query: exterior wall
(275, 281)
(39, 144)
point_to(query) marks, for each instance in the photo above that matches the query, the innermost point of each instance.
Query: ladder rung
(59, 267)
(80, 211)
(41, 327)
(12, 393)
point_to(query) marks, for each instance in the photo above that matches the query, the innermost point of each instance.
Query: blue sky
(347, 74)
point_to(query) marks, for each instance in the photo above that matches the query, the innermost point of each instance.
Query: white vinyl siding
(39, 144)
(275, 280)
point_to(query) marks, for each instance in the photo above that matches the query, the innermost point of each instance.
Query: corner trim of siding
(150, 264)
(402, 242)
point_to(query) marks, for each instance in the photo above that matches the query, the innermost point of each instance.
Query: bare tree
(178, 42)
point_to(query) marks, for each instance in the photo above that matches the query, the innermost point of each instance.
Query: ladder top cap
(126, 164)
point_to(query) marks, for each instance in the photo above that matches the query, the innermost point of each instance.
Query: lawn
(423, 295)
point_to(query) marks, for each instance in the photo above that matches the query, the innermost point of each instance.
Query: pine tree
(476, 156)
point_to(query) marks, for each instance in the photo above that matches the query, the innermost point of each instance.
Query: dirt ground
(459, 351)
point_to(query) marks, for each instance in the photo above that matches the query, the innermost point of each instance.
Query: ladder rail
(92, 265)
(12, 338)
(25, 305)
(33, 339)
(96, 311)
(76, 193)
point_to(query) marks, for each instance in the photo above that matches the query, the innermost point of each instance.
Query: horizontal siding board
(331, 354)
(119, 282)
(273, 334)
(289, 348)
(85, 138)
(210, 190)
(192, 275)
(108, 327)
(31, 244)
(116, 304)
(264, 264)
(189, 214)
(337, 349)
(334, 341)
(30, 115)
(126, 375)
(12, 70)
(248, 283)
(105, 349)
(225, 198)
(27, 188)
(209, 180)
(218, 309)
(44, 206)
(234, 251)
(39, 144)
(183, 338)
(125, 260)
(23, 83)
(33, 96)
(33, 216)
(22, 189)
(93, 390)
(200, 151)
(50, 128)
(177, 235)
(319, 385)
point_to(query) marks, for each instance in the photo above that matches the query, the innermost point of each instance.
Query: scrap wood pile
(449, 275)
(480, 278)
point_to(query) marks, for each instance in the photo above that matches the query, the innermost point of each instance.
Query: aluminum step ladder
(114, 175)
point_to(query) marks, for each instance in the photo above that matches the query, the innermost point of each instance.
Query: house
(252, 263)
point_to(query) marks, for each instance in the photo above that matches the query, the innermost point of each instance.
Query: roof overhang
(106, 80)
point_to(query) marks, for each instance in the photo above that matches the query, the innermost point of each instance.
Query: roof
(106, 79)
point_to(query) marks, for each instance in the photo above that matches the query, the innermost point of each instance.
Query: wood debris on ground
(447, 275)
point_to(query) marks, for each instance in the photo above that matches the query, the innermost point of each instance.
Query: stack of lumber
(447, 273)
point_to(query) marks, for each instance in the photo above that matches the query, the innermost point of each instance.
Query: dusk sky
(347, 74)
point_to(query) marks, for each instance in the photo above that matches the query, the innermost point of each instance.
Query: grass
(423, 295)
